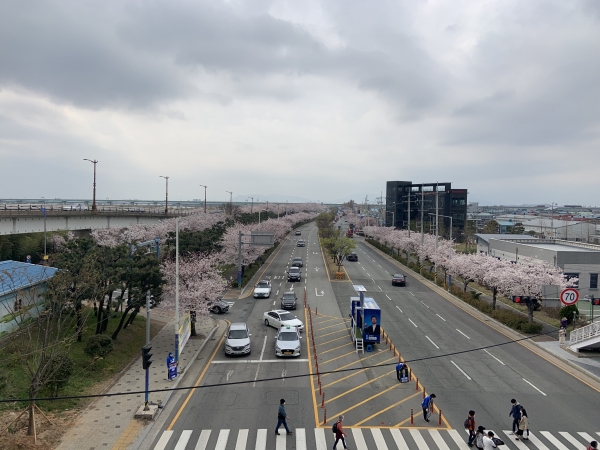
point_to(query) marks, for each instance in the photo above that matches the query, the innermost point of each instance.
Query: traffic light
(146, 355)
(517, 299)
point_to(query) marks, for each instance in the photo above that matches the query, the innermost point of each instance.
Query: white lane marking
(531, 384)
(432, 342)
(241, 440)
(320, 439)
(277, 293)
(259, 360)
(400, 442)
(518, 444)
(261, 439)
(424, 304)
(435, 434)
(305, 280)
(413, 323)
(229, 373)
(388, 296)
(378, 438)
(411, 293)
(379, 288)
(400, 309)
(222, 440)
(572, 440)
(462, 445)
(364, 268)
(164, 439)
(300, 439)
(463, 334)
(559, 445)
(380, 266)
(387, 272)
(494, 357)
(359, 439)
(283, 374)
(586, 437)
(274, 302)
(441, 317)
(256, 361)
(280, 441)
(416, 435)
(462, 371)
(535, 441)
(368, 274)
(203, 441)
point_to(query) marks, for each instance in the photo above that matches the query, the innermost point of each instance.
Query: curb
(137, 445)
(491, 322)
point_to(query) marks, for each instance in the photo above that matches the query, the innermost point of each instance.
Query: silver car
(287, 342)
(238, 340)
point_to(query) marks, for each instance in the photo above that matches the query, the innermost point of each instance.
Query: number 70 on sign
(569, 296)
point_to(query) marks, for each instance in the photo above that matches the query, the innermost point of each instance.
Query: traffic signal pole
(146, 360)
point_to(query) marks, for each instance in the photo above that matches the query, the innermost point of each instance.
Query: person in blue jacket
(425, 405)
(515, 413)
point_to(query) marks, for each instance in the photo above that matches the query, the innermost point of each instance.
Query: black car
(289, 300)
(352, 257)
(294, 274)
(297, 262)
(398, 280)
(298, 232)
(300, 243)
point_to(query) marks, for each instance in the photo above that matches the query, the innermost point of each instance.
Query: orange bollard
(409, 374)
(320, 391)
(325, 416)
(399, 358)
(412, 418)
(423, 393)
(390, 345)
(440, 419)
(323, 400)
(417, 388)
(317, 311)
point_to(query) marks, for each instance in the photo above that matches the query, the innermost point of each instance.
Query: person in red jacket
(339, 433)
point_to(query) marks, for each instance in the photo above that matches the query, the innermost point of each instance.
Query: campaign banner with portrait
(372, 321)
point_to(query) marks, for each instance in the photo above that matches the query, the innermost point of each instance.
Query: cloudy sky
(316, 99)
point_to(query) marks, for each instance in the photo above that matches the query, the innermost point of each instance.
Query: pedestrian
(563, 323)
(562, 334)
(427, 404)
(339, 433)
(282, 418)
(515, 413)
(399, 367)
(523, 426)
(479, 437)
(470, 425)
(488, 441)
(593, 446)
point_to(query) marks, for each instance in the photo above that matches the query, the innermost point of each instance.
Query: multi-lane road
(450, 350)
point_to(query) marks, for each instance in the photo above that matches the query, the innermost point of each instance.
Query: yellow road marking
(333, 340)
(344, 378)
(331, 326)
(328, 320)
(197, 383)
(333, 332)
(312, 381)
(335, 348)
(388, 408)
(361, 385)
(365, 401)
(347, 365)
(128, 435)
(329, 360)
(333, 317)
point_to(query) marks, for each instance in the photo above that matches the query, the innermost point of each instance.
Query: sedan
(262, 289)
(218, 307)
(298, 232)
(278, 318)
(297, 262)
(289, 300)
(300, 243)
(352, 257)
(398, 280)
(287, 342)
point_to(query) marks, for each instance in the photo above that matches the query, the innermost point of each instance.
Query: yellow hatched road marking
(386, 409)
(365, 401)
(331, 326)
(344, 378)
(312, 381)
(335, 348)
(347, 365)
(339, 319)
(329, 360)
(333, 332)
(359, 386)
(333, 340)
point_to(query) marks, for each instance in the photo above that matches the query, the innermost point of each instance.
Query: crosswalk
(362, 439)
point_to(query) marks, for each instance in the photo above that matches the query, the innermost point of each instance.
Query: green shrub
(569, 312)
(532, 328)
(474, 294)
(62, 367)
(98, 346)
(509, 318)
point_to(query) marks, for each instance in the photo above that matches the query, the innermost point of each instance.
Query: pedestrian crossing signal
(146, 357)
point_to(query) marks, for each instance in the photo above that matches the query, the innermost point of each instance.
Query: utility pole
(230, 202)
(240, 260)
(94, 192)
(422, 206)
(409, 215)
(251, 204)
(167, 194)
(177, 289)
(204, 197)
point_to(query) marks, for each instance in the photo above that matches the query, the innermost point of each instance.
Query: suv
(297, 262)
(300, 243)
(298, 232)
(288, 301)
(398, 280)
(294, 274)
(238, 340)
(352, 257)
(288, 342)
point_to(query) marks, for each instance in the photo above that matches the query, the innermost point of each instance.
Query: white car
(279, 318)
(262, 289)
(287, 342)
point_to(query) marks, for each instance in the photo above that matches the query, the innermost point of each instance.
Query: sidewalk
(108, 422)
(591, 364)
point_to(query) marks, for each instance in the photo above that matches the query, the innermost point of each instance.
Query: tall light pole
(44, 211)
(230, 202)
(262, 210)
(167, 194)
(94, 162)
(251, 204)
(448, 217)
(204, 197)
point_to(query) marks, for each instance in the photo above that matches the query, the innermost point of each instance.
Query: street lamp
(167, 194)
(204, 197)
(259, 215)
(230, 202)
(251, 204)
(94, 197)
(44, 211)
(448, 217)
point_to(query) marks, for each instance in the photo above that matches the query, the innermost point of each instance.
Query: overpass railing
(583, 333)
(35, 209)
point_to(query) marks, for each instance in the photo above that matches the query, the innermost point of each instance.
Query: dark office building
(403, 198)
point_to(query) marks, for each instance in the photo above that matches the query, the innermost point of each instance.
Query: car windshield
(237, 334)
(289, 296)
(398, 276)
(263, 284)
(297, 259)
(287, 316)
(288, 336)
(294, 269)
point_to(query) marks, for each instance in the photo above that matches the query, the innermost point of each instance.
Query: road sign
(569, 296)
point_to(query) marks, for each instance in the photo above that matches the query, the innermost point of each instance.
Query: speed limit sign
(569, 296)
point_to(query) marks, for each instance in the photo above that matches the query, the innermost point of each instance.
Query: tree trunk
(132, 317)
(100, 316)
(116, 333)
(530, 308)
(193, 328)
(494, 292)
(465, 285)
(79, 324)
(31, 425)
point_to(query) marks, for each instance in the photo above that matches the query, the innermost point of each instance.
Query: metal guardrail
(587, 332)
(35, 209)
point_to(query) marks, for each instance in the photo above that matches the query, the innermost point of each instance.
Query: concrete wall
(34, 224)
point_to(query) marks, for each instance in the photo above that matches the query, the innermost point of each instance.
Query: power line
(260, 380)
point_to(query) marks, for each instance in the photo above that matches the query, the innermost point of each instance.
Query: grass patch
(88, 377)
